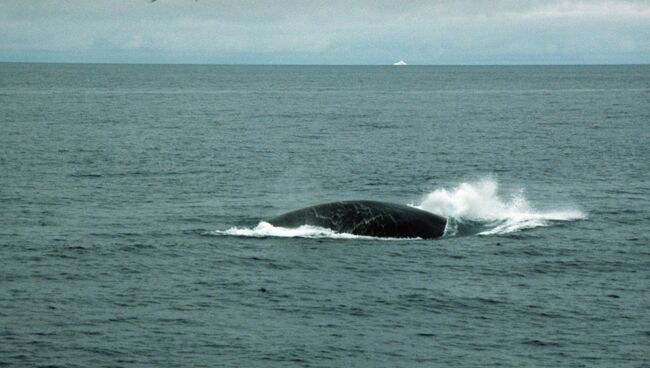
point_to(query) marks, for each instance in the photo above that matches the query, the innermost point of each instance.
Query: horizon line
(314, 64)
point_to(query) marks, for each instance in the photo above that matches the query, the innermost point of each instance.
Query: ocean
(133, 200)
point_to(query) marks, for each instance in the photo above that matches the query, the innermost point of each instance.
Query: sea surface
(133, 200)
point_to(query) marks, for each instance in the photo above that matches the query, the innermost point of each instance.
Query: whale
(367, 218)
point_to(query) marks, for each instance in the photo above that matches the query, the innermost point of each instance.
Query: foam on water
(264, 229)
(478, 206)
(470, 209)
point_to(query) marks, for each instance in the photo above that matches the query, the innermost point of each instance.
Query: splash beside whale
(368, 218)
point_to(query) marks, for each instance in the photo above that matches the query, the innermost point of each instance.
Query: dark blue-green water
(131, 198)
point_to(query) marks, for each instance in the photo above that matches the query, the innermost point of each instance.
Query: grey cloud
(330, 31)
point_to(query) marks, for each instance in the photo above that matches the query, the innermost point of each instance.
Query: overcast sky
(326, 32)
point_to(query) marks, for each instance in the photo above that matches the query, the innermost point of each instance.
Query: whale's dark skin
(370, 218)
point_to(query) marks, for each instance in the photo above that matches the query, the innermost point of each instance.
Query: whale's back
(371, 218)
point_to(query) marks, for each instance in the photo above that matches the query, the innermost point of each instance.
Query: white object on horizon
(401, 62)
